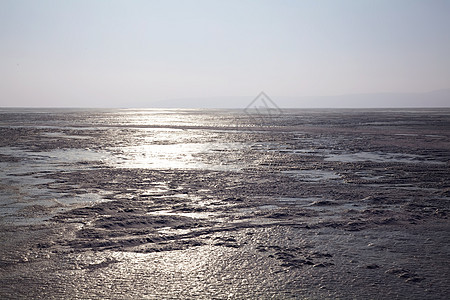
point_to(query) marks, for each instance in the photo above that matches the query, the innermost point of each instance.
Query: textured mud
(319, 204)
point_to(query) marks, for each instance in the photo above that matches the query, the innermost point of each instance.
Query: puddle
(300, 201)
(312, 175)
(171, 231)
(31, 205)
(306, 152)
(172, 156)
(63, 135)
(25, 196)
(55, 157)
(83, 199)
(256, 208)
(194, 215)
(367, 175)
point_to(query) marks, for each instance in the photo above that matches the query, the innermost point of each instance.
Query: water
(217, 204)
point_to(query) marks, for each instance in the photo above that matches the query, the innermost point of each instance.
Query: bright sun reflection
(172, 150)
(177, 156)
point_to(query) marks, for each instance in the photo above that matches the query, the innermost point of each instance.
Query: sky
(146, 53)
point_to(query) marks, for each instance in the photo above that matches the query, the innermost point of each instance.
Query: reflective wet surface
(161, 204)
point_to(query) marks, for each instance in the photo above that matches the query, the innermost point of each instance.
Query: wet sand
(316, 205)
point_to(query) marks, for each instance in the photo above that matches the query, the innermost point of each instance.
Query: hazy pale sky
(136, 53)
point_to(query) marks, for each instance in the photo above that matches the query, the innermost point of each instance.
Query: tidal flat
(223, 204)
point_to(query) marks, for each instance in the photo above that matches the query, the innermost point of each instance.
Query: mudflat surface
(315, 204)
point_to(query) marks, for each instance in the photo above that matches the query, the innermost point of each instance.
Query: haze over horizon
(207, 53)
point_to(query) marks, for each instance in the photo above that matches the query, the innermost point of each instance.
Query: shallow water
(215, 204)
